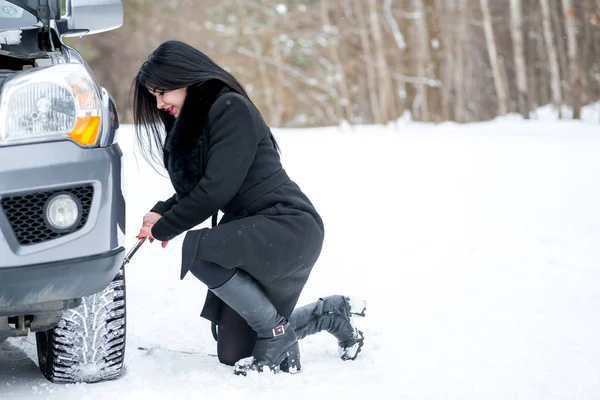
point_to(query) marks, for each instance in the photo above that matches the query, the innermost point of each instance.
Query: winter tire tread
(88, 344)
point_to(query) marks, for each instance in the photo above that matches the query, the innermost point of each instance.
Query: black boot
(332, 314)
(276, 339)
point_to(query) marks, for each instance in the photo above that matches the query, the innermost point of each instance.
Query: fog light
(63, 212)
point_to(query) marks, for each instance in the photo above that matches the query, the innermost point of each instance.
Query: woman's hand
(148, 222)
(151, 218)
(146, 232)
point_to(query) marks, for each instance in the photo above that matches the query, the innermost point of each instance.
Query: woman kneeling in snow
(221, 156)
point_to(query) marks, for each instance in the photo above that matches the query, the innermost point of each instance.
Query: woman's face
(170, 101)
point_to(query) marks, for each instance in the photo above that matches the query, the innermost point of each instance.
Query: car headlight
(60, 101)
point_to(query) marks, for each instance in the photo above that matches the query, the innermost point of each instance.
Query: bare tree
(493, 54)
(383, 71)
(516, 29)
(366, 56)
(445, 57)
(388, 13)
(280, 105)
(340, 75)
(559, 35)
(461, 64)
(575, 81)
(257, 46)
(424, 62)
(554, 68)
(323, 61)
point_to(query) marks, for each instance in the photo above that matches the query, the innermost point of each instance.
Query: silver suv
(62, 209)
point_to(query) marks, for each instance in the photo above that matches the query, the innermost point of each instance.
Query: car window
(13, 16)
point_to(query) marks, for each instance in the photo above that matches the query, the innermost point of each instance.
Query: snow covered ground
(476, 247)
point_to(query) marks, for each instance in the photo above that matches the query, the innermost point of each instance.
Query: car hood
(33, 7)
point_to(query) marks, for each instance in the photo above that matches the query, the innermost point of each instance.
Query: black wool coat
(220, 156)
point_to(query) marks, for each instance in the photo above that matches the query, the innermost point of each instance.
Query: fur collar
(186, 143)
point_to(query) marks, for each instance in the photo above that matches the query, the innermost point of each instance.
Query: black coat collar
(186, 141)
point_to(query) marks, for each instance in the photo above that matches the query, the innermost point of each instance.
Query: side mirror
(86, 17)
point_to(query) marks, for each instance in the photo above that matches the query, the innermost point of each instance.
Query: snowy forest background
(320, 62)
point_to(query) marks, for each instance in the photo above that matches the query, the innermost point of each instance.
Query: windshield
(13, 16)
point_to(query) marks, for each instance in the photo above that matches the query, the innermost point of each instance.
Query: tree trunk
(267, 87)
(383, 71)
(460, 64)
(266, 83)
(436, 69)
(516, 30)
(280, 105)
(589, 53)
(388, 14)
(553, 58)
(493, 54)
(471, 90)
(559, 36)
(543, 75)
(423, 62)
(575, 81)
(587, 44)
(532, 87)
(446, 68)
(367, 55)
(532, 55)
(446, 88)
(594, 89)
(346, 101)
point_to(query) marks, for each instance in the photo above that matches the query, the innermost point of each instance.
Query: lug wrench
(133, 251)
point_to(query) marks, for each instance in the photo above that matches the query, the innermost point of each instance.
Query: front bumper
(54, 286)
(41, 270)
(30, 173)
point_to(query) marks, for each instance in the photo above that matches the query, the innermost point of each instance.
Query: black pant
(236, 339)
(211, 274)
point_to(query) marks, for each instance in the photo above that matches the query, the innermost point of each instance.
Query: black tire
(88, 344)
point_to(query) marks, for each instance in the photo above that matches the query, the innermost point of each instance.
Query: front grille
(26, 214)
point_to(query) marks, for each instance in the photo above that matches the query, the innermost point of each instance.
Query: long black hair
(173, 65)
